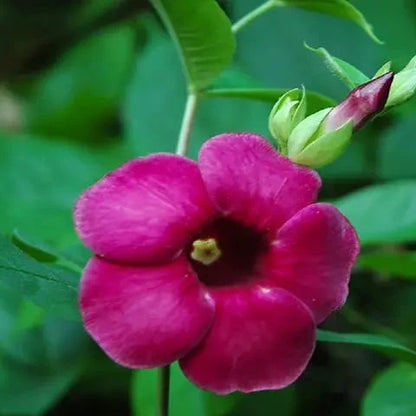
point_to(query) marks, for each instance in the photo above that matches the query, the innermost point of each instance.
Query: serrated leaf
(338, 8)
(347, 73)
(203, 36)
(392, 393)
(382, 213)
(375, 342)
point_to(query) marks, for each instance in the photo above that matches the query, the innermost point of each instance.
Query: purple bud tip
(361, 104)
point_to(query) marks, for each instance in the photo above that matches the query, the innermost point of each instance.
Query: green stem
(254, 14)
(163, 391)
(187, 123)
(181, 149)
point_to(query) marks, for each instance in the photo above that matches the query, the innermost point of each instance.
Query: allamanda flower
(227, 265)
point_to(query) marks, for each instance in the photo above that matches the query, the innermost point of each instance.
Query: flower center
(205, 251)
(226, 253)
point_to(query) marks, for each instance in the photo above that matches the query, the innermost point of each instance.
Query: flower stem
(181, 149)
(254, 14)
(187, 123)
(163, 391)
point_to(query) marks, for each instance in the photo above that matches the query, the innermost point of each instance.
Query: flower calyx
(323, 136)
(404, 83)
(286, 114)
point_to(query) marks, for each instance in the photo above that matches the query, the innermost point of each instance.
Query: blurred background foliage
(86, 85)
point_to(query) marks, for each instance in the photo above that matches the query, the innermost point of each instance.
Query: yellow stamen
(205, 251)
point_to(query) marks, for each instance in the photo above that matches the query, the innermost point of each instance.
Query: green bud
(411, 64)
(383, 70)
(310, 144)
(404, 84)
(286, 114)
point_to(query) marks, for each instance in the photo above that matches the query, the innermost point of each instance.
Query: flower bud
(361, 104)
(286, 114)
(383, 70)
(322, 137)
(404, 84)
(311, 146)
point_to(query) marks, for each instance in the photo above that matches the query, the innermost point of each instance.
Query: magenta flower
(227, 265)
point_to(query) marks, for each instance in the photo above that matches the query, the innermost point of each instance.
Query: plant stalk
(254, 14)
(181, 149)
(187, 124)
(163, 391)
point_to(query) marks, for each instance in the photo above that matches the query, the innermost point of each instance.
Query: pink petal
(146, 210)
(251, 182)
(144, 316)
(261, 339)
(312, 258)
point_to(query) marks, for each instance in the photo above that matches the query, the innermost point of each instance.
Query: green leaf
(378, 343)
(202, 403)
(315, 100)
(51, 287)
(77, 97)
(144, 106)
(41, 252)
(382, 213)
(39, 358)
(396, 152)
(37, 251)
(41, 180)
(30, 393)
(338, 8)
(392, 393)
(394, 264)
(348, 74)
(202, 33)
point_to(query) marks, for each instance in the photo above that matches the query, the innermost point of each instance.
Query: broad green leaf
(39, 358)
(37, 251)
(24, 391)
(93, 10)
(41, 180)
(188, 400)
(41, 252)
(392, 393)
(315, 100)
(338, 8)
(382, 213)
(51, 287)
(202, 33)
(77, 97)
(378, 343)
(347, 73)
(397, 149)
(395, 264)
(29, 315)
